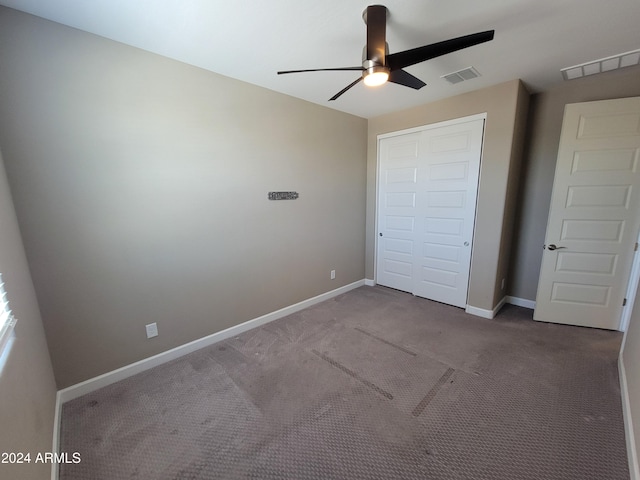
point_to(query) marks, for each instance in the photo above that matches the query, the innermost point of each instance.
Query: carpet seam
(352, 374)
(420, 408)
(386, 342)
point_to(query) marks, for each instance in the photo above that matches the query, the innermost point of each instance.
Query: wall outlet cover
(152, 330)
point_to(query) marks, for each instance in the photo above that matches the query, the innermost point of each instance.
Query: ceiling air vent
(461, 75)
(614, 62)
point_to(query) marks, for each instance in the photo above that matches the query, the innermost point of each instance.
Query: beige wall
(505, 106)
(545, 123)
(630, 356)
(512, 195)
(141, 183)
(27, 386)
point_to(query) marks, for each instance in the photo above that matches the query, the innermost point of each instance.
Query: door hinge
(635, 249)
(624, 302)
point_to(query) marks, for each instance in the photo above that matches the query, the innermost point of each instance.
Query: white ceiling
(251, 40)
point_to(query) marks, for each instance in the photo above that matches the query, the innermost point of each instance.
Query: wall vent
(461, 75)
(627, 59)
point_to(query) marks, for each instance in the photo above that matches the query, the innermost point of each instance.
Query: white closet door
(397, 194)
(448, 185)
(428, 182)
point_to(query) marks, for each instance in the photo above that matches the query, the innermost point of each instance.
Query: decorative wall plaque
(283, 195)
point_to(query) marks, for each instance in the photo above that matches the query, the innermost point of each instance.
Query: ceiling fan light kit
(379, 67)
(375, 75)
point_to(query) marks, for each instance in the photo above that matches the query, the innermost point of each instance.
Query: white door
(428, 184)
(398, 189)
(446, 209)
(594, 215)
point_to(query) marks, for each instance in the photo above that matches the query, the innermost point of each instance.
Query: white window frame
(7, 320)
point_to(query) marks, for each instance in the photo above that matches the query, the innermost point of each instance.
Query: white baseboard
(632, 455)
(369, 283)
(79, 389)
(55, 444)
(521, 302)
(481, 312)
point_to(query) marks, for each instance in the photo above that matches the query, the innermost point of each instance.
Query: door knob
(554, 247)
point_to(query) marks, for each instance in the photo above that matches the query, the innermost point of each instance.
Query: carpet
(373, 384)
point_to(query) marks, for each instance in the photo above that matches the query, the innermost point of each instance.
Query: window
(7, 321)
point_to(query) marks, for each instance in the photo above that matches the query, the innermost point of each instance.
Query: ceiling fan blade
(405, 78)
(376, 20)
(407, 58)
(338, 69)
(345, 89)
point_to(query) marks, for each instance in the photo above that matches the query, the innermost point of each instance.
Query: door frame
(430, 126)
(632, 288)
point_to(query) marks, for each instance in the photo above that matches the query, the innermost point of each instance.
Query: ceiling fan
(378, 66)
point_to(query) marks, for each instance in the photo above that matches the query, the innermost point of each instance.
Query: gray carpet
(373, 384)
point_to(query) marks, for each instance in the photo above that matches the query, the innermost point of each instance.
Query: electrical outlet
(333, 274)
(502, 288)
(152, 330)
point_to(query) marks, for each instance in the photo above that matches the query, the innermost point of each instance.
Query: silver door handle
(553, 247)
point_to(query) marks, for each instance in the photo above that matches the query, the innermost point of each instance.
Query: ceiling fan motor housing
(371, 67)
(375, 70)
